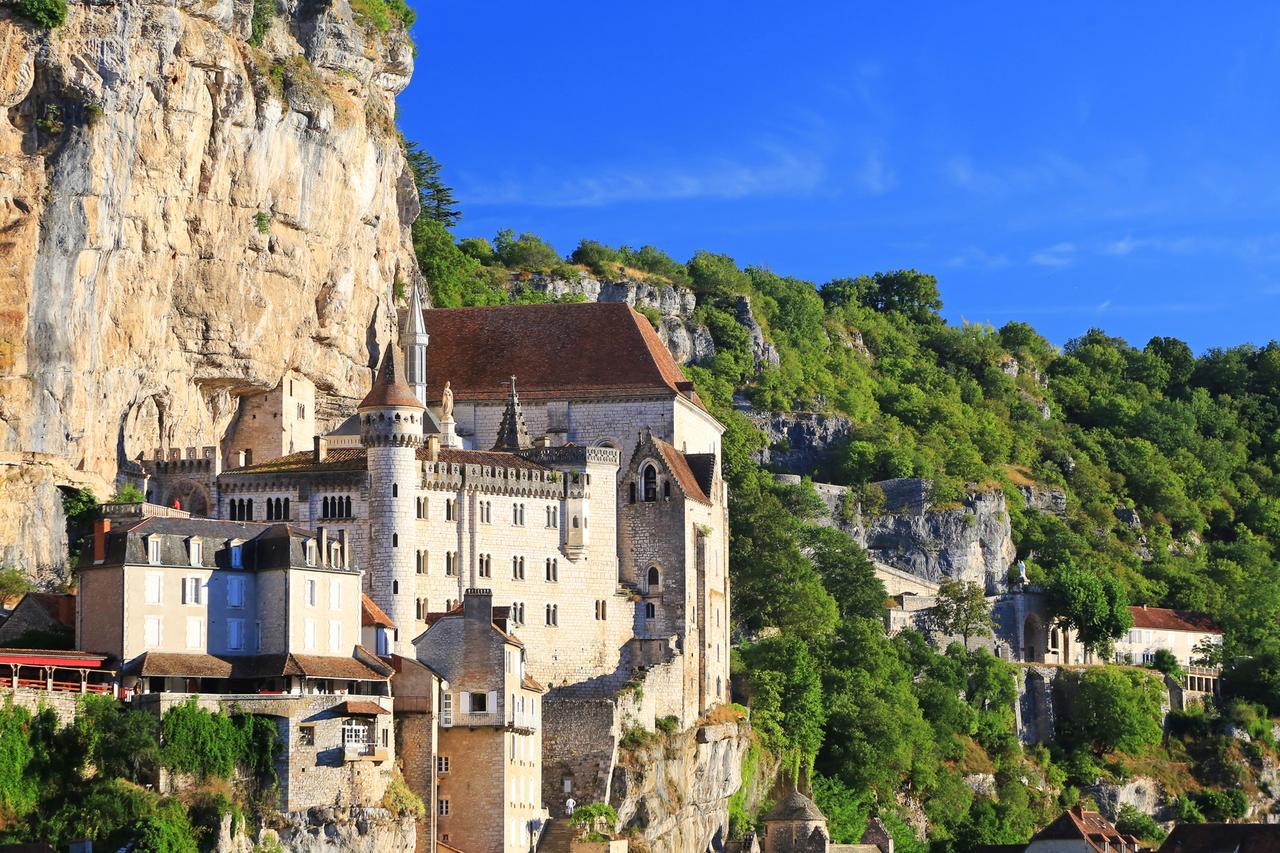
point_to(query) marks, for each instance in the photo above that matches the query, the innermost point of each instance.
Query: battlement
(573, 455)
(192, 460)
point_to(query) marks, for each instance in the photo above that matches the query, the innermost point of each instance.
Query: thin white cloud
(1057, 255)
(974, 258)
(1104, 305)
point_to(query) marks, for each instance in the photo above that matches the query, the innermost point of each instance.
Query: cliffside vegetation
(1169, 465)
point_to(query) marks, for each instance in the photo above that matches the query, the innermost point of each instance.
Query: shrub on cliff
(1113, 709)
(44, 13)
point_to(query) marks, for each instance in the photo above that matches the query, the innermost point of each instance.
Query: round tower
(391, 430)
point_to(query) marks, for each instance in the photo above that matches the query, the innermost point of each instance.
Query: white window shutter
(464, 702)
(493, 702)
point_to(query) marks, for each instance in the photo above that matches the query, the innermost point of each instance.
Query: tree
(786, 695)
(13, 583)
(1094, 605)
(909, 292)
(1166, 662)
(1111, 708)
(961, 611)
(434, 196)
(526, 252)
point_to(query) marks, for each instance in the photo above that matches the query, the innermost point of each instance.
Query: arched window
(248, 509)
(395, 490)
(654, 579)
(719, 687)
(650, 478)
(324, 509)
(285, 516)
(632, 495)
(347, 511)
(575, 522)
(395, 540)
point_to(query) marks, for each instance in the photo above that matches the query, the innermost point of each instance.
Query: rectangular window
(442, 807)
(311, 593)
(335, 594)
(153, 587)
(306, 735)
(446, 709)
(152, 640)
(309, 634)
(479, 703)
(153, 550)
(442, 764)
(235, 592)
(257, 636)
(191, 590)
(195, 551)
(237, 559)
(195, 633)
(335, 635)
(235, 634)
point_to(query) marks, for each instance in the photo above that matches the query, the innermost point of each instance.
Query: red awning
(33, 657)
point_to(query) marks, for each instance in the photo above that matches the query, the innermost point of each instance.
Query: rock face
(764, 352)
(184, 217)
(797, 442)
(676, 795)
(689, 342)
(356, 830)
(1050, 499)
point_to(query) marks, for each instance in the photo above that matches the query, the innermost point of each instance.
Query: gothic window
(346, 512)
(632, 490)
(448, 509)
(553, 615)
(395, 490)
(553, 570)
(248, 510)
(650, 479)
(654, 579)
(486, 565)
(324, 509)
(395, 587)
(395, 540)
(575, 522)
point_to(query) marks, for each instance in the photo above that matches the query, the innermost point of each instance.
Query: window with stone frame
(442, 764)
(517, 568)
(306, 735)
(552, 570)
(442, 808)
(485, 565)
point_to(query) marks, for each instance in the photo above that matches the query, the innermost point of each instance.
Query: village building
(1184, 633)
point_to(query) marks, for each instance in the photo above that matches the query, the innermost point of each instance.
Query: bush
(1166, 662)
(1224, 805)
(602, 260)
(207, 744)
(399, 800)
(167, 831)
(1113, 709)
(1187, 811)
(588, 818)
(1130, 821)
(44, 13)
(263, 12)
(526, 252)
(668, 725)
(261, 220)
(14, 582)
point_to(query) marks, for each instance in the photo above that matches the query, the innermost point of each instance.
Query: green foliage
(667, 725)
(18, 790)
(262, 221)
(435, 198)
(81, 508)
(1094, 605)
(381, 15)
(786, 696)
(847, 810)
(168, 830)
(399, 800)
(961, 611)
(1223, 805)
(1130, 821)
(128, 494)
(14, 582)
(588, 814)
(263, 13)
(1166, 662)
(602, 260)
(46, 14)
(207, 744)
(1112, 708)
(525, 252)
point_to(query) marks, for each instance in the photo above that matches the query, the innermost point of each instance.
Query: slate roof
(336, 459)
(796, 806)
(59, 607)
(390, 387)
(1163, 618)
(558, 351)
(1223, 838)
(685, 476)
(257, 666)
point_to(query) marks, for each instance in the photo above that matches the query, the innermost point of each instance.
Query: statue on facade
(446, 403)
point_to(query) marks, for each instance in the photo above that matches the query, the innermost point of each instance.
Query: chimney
(321, 448)
(342, 548)
(478, 604)
(543, 441)
(101, 528)
(433, 447)
(323, 535)
(242, 458)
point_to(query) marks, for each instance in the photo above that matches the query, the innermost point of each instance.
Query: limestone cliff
(183, 217)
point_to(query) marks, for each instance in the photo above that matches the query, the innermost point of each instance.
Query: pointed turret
(413, 333)
(390, 388)
(513, 434)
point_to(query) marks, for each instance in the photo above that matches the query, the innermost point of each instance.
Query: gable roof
(372, 614)
(59, 607)
(1076, 824)
(685, 476)
(1223, 838)
(558, 351)
(1163, 618)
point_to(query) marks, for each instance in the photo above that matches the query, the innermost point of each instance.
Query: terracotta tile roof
(372, 614)
(255, 666)
(390, 388)
(556, 351)
(685, 477)
(495, 458)
(355, 708)
(1076, 824)
(1173, 620)
(528, 683)
(337, 459)
(1223, 838)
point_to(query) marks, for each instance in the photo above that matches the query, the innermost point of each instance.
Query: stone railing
(141, 509)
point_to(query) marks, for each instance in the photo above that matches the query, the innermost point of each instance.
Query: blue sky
(1070, 165)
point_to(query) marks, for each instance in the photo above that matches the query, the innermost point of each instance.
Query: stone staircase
(556, 837)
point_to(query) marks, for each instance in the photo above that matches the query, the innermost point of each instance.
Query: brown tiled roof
(390, 388)
(1076, 824)
(528, 683)
(372, 614)
(61, 608)
(255, 666)
(495, 458)
(556, 351)
(684, 475)
(1223, 838)
(337, 459)
(1173, 620)
(352, 708)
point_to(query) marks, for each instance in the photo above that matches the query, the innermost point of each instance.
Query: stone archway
(1035, 638)
(192, 496)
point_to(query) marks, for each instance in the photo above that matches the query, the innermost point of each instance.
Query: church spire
(414, 336)
(513, 434)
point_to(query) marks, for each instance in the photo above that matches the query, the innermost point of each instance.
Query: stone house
(489, 759)
(1177, 631)
(262, 618)
(1080, 831)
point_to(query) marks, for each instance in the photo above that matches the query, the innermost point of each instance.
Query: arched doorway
(189, 496)
(1035, 639)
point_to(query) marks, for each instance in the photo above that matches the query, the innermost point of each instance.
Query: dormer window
(310, 551)
(237, 555)
(195, 551)
(153, 550)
